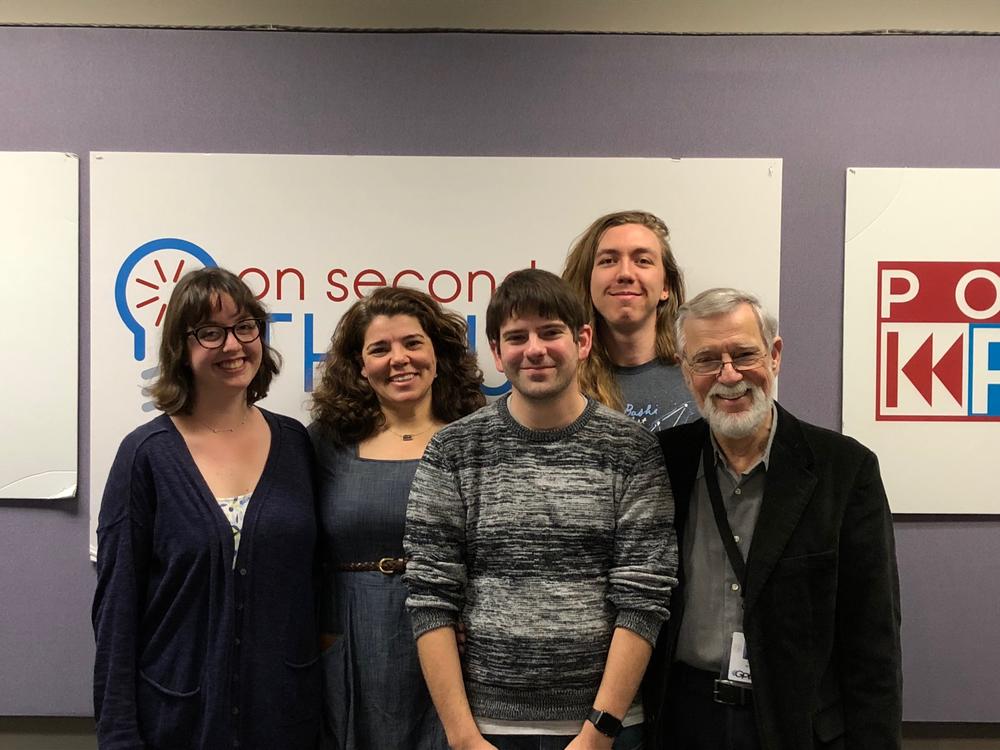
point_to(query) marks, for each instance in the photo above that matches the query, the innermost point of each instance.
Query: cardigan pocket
(304, 686)
(828, 725)
(168, 718)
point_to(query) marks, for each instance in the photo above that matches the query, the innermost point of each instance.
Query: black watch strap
(605, 723)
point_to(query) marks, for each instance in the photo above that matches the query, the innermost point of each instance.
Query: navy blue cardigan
(190, 652)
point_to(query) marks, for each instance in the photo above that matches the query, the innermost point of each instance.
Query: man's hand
(475, 743)
(627, 659)
(590, 739)
(438, 652)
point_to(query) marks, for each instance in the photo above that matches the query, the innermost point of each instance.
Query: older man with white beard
(784, 630)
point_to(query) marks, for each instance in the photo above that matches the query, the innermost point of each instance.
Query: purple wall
(820, 103)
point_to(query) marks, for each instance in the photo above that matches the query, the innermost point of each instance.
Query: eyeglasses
(214, 337)
(740, 363)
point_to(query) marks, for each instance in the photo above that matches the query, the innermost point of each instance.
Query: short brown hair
(533, 291)
(344, 403)
(194, 299)
(596, 372)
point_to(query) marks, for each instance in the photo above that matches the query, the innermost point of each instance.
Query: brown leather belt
(387, 565)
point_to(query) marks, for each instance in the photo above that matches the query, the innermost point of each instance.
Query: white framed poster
(922, 333)
(39, 252)
(310, 234)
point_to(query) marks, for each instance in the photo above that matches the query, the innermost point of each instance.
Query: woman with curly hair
(623, 270)
(397, 370)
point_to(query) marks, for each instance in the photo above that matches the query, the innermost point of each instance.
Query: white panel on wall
(39, 244)
(922, 333)
(311, 233)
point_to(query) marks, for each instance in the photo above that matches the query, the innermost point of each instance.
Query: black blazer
(821, 603)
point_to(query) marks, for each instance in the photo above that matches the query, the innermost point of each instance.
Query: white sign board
(312, 233)
(39, 251)
(922, 333)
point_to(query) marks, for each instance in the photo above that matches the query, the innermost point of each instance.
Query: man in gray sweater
(544, 523)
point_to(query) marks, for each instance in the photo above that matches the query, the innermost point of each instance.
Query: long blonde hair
(596, 373)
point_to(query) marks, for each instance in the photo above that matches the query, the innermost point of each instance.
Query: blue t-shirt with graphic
(655, 395)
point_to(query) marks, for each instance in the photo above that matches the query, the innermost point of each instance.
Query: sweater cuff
(641, 622)
(426, 618)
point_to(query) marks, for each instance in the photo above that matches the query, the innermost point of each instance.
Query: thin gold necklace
(225, 429)
(408, 436)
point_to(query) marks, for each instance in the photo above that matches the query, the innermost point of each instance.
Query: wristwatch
(605, 723)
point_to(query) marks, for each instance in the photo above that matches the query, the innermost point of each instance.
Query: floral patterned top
(235, 509)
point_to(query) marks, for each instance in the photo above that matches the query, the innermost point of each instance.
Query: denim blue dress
(376, 698)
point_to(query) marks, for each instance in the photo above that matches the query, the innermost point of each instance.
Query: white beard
(743, 424)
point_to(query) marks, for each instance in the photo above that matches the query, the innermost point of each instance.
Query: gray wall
(820, 103)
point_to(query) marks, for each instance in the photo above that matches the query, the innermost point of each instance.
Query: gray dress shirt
(713, 602)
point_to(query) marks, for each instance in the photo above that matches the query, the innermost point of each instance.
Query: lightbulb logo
(145, 280)
(142, 288)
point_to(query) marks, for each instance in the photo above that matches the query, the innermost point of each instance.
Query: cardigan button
(243, 571)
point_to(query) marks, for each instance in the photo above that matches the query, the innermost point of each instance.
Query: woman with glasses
(624, 271)
(204, 611)
(398, 369)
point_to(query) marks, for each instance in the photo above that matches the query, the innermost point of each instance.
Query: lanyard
(721, 519)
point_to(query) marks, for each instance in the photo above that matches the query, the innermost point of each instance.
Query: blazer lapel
(787, 490)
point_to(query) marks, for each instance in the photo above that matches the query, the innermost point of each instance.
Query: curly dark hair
(345, 405)
(197, 295)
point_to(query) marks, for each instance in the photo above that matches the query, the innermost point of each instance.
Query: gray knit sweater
(541, 542)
